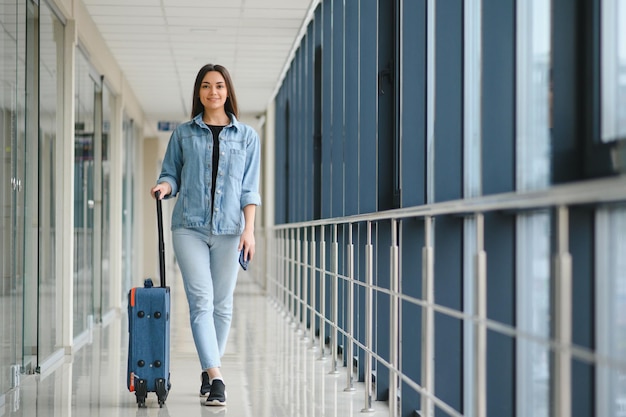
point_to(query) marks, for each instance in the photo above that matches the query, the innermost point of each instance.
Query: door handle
(16, 184)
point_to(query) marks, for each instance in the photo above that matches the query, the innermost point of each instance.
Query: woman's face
(213, 91)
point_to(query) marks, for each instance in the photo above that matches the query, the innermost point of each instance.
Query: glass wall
(31, 91)
(11, 104)
(84, 108)
(29, 198)
(50, 140)
(32, 137)
(127, 206)
(107, 113)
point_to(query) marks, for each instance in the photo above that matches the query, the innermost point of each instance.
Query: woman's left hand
(247, 244)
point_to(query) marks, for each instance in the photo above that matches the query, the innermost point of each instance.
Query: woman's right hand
(164, 187)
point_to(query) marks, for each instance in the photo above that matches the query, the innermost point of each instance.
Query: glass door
(128, 212)
(107, 300)
(12, 169)
(27, 205)
(51, 133)
(84, 203)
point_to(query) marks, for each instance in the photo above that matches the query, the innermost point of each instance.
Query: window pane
(10, 107)
(613, 70)
(611, 310)
(51, 125)
(533, 292)
(533, 230)
(128, 180)
(83, 194)
(533, 94)
(472, 99)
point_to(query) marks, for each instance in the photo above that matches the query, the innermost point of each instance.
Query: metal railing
(298, 281)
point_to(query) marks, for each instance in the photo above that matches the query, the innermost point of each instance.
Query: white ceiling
(161, 44)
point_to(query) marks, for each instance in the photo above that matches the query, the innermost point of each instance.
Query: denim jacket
(187, 167)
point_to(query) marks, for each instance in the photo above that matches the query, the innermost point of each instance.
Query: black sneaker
(206, 386)
(217, 395)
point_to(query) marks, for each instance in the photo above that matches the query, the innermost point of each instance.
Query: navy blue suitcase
(149, 334)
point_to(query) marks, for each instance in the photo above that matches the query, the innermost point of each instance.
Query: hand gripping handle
(161, 243)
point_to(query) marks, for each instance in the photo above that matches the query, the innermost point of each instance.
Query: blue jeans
(209, 267)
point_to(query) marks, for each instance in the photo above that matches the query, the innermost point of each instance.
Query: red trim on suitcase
(131, 387)
(132, 297)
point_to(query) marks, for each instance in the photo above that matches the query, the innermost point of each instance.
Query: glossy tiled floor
(269, 371)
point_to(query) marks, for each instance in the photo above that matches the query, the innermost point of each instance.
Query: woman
(212, 164)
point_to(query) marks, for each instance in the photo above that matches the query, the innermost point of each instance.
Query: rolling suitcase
(149, 333)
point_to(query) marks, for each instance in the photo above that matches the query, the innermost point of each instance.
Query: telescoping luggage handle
(161, 243)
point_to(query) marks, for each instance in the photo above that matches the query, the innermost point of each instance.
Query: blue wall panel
(368, 107)
(413, 163)
(498, 167)
(351, 88)
(386, 138)
(318, 143)
(327, 108)
(298, 130)
(449, 100)
(317, 113)
(581, 232)
(498, 96)
(413, 110)
(337, 111)
(448, 186)
(368, 98)
(387, 108)
(449, 293)
(309, 122)
(500, 247)
(280, 184)
(351, 164)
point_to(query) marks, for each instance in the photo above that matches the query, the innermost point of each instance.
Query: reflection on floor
(269, 371)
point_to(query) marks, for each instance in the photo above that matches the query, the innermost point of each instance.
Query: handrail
(606, 190)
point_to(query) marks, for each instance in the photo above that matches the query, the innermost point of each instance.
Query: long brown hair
(231, 101)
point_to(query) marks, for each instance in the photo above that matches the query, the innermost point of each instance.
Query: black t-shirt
(216, 156)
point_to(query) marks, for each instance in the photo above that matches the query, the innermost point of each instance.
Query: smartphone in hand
(243, 262)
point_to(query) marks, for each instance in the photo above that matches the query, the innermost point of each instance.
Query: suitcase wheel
(141, 392)
(161, 391)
